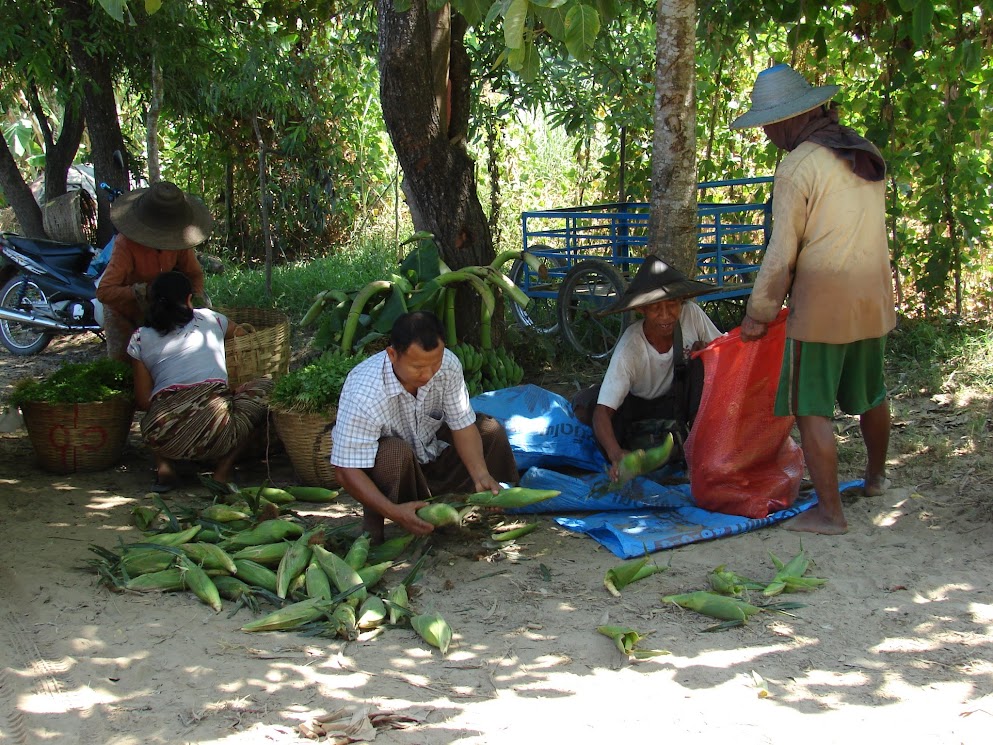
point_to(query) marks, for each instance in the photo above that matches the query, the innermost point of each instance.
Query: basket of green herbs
(303, 404)
(78, 418)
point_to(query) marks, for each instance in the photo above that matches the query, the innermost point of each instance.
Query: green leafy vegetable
(77, 382)
(315, 388)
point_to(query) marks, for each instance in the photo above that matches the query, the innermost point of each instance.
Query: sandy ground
(897, 645)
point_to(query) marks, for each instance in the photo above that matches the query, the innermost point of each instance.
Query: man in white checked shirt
(405, 430)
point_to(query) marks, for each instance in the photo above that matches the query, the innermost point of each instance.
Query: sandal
(162, 488)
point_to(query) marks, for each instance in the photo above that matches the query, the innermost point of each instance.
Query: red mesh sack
(741, 457)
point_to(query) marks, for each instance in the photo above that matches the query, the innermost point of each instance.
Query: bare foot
(876, 486)
(815, 521)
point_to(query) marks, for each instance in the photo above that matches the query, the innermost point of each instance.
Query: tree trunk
(99, 106)
(439, 175)
(19, 196)
(152, 123)
(672, 224)
(433, 157)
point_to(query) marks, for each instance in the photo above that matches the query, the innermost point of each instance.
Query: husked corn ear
(357, 553)
(255, 574)
(439, 514)
(290, 617)
(201, 585)
(266, 554)
(515, 496)
(209, 556)
(433, 629)
(342, 576)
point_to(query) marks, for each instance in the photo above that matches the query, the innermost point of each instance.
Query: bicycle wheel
(540, 315)
(589, 288)
(22, 338)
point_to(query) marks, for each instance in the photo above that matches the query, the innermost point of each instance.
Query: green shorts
(815, 375)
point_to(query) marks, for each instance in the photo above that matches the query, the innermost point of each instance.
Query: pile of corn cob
(248, 556)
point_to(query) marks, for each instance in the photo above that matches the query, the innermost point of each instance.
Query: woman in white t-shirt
(181, 380)
(651, 383)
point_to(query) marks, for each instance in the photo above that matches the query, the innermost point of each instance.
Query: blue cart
(587, 254)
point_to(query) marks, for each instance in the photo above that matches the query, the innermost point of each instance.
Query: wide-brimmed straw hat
(655, 281)
(162, 217)
(781, 93)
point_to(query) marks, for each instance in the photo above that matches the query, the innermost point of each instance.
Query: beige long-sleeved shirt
(828, 252)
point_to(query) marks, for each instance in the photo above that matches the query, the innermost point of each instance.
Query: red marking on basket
(65, 438)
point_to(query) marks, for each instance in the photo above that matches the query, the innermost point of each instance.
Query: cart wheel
(540, 315)
(589, 288)
(727, 313)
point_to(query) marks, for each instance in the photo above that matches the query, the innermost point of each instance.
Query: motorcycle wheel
(20, 338)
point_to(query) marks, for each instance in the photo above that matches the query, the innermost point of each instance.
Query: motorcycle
(49, 290)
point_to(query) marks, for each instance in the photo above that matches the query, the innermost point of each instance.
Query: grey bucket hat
(780, 93)
(162, 217)
(656, 280)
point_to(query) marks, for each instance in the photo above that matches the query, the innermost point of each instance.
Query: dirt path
(897, 644)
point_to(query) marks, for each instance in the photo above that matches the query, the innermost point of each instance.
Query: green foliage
(925, 356)
(315, 388)
(77, 382)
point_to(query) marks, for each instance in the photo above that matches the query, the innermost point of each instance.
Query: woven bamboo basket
(307, 439)
(264, 352)
(70, 218)
(79, 437)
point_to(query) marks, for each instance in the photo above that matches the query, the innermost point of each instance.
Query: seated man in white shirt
(651, 386)
(405, 430)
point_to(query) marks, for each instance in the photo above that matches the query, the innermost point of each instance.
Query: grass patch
(925, 357)
(295, 285)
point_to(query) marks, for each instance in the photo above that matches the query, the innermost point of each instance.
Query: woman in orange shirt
(158, 228)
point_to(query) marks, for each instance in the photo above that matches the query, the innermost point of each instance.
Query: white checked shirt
(375, 404)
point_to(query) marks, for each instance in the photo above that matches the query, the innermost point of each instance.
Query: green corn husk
(291, 616)
(439, 514)
(789, 576)
(726, 582)
(317, 494)
(371, 574)
(266, 554)
(626, 640)
(342, 576)
(389, 550)
(268, 531)
(711, 604)
(200, 584)
(397, 603)
(166, 580)
(514, 533)
(344, 623)
(173, 539)
(271, 493)
(255, 574)
(145, 517)
(371, 614)
(209, 556)
(632, 570)
(316, 581)
(639, 462)
(357, 553)
(515, 496)
(293, 564)
(433, 629)
(136, 561)
(223, 513)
